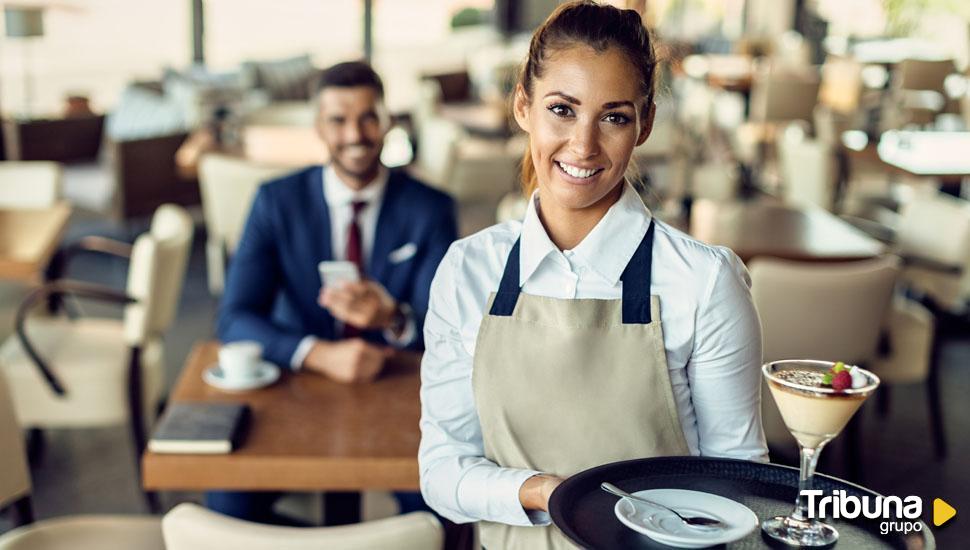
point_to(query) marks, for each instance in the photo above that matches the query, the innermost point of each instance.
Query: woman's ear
(520, 108)
(647, 126)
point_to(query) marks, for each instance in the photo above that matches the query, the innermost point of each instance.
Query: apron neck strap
(636, 283)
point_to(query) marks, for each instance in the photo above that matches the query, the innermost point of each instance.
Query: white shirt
(340, 198)
(712, 338)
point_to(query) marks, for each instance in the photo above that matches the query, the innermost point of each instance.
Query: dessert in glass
(816, 400)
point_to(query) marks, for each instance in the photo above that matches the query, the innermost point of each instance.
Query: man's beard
(367, 174)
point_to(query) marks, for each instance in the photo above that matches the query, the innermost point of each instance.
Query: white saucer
(266, 374)
(665, 528)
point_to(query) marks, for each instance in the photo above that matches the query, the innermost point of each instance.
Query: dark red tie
(355, 253)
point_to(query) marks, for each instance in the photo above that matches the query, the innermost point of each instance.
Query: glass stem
(806, 471)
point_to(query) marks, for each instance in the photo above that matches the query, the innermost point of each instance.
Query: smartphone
(337, 274)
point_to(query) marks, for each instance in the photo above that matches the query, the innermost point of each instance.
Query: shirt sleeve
(724, 371)
(457, 480)
(302, 350)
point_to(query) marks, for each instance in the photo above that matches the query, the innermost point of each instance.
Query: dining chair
(783, 94)
(841, 85)
(228, 185)
(92, 372)
(83, 532)
(826, 311)
(933, 238)
(191, 527)
(907, 357)
(809, 171)
(30, 184)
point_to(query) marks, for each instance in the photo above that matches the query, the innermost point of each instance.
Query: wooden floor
(92, 471)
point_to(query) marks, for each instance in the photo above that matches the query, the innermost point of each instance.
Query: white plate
(665, 528)
(266, 374)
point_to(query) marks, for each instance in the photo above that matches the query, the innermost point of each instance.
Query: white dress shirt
(712, 338)
(340, 198)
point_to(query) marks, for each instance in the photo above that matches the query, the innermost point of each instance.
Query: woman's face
(584, 119)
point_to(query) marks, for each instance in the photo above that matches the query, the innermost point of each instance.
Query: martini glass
(814, 414)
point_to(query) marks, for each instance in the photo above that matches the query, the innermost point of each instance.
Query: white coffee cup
(239, 361)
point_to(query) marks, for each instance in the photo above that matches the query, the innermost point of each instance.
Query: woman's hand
(535, 492)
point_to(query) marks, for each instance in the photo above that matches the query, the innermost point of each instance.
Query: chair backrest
(808, 168)
(821, 311)
(841, 85)
(228, 185)
(29, 184)
(283, 113)
(156, 273)
(919, 74)
(190, 527)
(781, 94)
(438, 149)
(14, 473)
(935, 227)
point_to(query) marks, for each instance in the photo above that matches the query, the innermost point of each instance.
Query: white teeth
(577, 172)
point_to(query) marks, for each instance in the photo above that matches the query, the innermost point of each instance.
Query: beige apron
(564, 385)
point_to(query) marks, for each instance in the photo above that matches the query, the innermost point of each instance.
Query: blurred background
(840, 125)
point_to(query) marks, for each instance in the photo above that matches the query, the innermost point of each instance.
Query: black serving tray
(584, 512)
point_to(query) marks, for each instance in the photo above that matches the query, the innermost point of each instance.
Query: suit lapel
(320, 219)
(386, 233)
(320, 239)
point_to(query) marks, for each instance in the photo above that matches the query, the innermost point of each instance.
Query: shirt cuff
(409, 332)
(302, 350)
(500, 489)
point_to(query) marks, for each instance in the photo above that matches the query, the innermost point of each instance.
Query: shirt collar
(607, 249)
(337, 193)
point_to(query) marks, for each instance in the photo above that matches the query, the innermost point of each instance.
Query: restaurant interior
(825, 142)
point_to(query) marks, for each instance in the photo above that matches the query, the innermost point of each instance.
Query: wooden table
(764, 228)
(28, 240)
(307, 434)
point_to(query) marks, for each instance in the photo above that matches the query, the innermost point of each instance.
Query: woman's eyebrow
(568, 98)
(573, 100)
(615, 104)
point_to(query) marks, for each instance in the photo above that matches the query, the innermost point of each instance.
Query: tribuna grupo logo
(899, 515)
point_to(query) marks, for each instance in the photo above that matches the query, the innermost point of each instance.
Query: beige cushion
(910, 329)
(822, 311)
(87, 533)
(14, 475)
(29, 184)
(90, 358)
(191, 527)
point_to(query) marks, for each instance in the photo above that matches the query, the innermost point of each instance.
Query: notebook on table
(200, 428)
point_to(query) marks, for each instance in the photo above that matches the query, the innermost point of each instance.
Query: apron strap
(636, 294)
(508, 290)
(636, 282)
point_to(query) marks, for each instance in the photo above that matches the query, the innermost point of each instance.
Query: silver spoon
(693, 521)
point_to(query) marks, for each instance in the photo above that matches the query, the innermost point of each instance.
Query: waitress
(590, 332)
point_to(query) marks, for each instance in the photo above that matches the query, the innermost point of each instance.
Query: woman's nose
(585, 139)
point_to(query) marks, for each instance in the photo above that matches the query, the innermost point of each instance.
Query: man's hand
(364, 304)
(347, 361)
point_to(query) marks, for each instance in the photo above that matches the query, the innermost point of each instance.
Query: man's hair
(349, 75)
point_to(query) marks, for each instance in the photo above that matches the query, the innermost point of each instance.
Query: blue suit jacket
(273, 282)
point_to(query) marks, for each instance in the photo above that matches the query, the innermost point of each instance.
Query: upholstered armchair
(68, 532)
(68, 372)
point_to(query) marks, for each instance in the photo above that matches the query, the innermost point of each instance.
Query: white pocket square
(403, 253)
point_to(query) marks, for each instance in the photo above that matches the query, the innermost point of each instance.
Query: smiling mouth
(576, 172)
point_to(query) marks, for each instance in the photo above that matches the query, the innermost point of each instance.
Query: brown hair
(584, 22)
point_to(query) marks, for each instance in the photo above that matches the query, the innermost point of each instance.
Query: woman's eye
(617, 118)
(560, 110)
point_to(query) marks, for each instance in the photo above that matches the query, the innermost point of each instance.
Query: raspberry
(842, 381)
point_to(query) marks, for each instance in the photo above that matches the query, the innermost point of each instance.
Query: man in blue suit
(393, 227)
